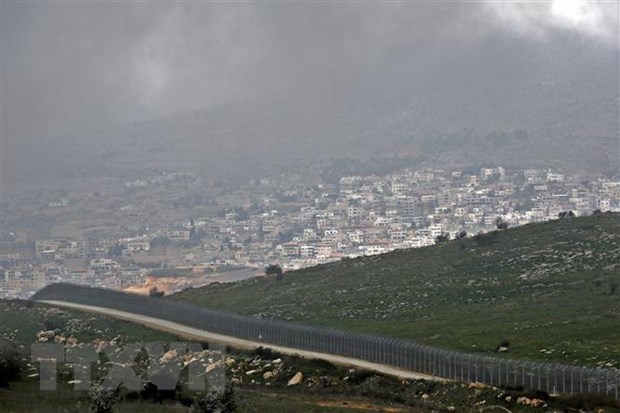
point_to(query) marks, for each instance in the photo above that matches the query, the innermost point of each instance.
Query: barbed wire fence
(407, 355)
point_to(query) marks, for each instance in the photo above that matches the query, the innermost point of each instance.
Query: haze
(340, 76)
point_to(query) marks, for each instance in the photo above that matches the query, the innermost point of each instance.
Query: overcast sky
(72, 66)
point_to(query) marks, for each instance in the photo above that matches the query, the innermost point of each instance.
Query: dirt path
(197, 334)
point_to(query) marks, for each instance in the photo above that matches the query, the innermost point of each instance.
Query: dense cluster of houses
(297, 225)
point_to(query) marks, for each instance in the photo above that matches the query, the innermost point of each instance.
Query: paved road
(197, 334)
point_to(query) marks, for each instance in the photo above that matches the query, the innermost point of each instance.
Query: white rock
(296, 379)
(168, 355)
(212, 367)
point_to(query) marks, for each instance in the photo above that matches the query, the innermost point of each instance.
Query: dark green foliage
(154, 292)
(102, 400)
(442, 238)
(533, 284)
(274, 269)
(500, 223)
(213, 402)
(10, 363)
(566, 214)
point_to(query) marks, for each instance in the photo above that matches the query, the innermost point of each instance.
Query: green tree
(500, 223)
(275, 269)
(442, 238)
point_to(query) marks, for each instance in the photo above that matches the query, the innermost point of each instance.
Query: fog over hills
(235, 90)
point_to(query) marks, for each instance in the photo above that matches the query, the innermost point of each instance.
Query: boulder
(47, 334)
(167, 357)
(296, 379)
(268, 375)
(524, 400)
(212, 367)
(477, 385)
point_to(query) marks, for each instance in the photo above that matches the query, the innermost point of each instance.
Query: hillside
(452, 110)
(550, 289)
(326, 388)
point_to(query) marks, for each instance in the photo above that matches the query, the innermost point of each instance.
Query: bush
(461, 235)
(274, 269)
(500, 223)
(443, 238)
(154, 292)
(102, 400)
(10, 364)
(213, 402)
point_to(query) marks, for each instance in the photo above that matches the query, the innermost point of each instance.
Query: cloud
(595, 19)
(71, 66)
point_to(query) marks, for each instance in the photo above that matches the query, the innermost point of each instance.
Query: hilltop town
(168, 232)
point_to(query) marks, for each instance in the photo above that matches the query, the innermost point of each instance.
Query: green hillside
(550, 289)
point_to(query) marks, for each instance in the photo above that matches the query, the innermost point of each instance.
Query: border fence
(404, 354)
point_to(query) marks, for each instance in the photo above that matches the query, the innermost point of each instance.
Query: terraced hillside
(550, 289)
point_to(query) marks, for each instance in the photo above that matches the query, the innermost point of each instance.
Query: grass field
(326, 387)
(550, 289)
(25, 397)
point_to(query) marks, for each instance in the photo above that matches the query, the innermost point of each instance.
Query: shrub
(154, 292)
(102, 400)
(442, 238)
(10, 364)
(213, 402)
(500, 223)
(274, 269)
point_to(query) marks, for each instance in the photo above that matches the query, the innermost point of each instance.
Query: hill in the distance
(517, 103)
(551, 289)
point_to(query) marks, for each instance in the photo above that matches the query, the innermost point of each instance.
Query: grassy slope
(20, 321)
(345, 391)
(545, 286)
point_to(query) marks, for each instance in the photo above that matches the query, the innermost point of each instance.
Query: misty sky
(69, 66)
